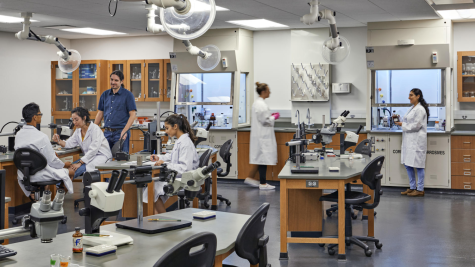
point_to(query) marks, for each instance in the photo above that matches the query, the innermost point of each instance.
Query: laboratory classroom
(202, 133)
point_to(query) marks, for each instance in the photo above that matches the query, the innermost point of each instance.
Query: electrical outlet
(370, 64)
(312, 183)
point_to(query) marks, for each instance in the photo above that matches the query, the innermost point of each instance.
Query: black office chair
(77, 201)
(364, 148)
(29, 162)
(225, 154)
(202, 196)
(251, 243)
(180, 255)
(371, 176)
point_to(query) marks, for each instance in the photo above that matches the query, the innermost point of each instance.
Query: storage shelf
(87, 94)
(64, 79)
(136, 80)
(154, 80)
(87, 79)
(64, 94)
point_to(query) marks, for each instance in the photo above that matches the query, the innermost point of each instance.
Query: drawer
(463, 169)
(463, 182)
(463, 142)
(463, 155)
(137, 135)
(135, 146)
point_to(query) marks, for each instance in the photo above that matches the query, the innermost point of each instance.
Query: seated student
(30, 137)
(92, 141)
(183, 157)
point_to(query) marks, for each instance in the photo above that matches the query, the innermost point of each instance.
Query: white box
(341, 88)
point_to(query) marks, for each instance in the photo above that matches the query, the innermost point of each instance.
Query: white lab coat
(183, 158)
(414, 137)
(262, 147)
(95, 146)
(30, 137)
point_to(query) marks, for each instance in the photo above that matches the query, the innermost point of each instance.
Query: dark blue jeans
(114, 137)
(80, 171)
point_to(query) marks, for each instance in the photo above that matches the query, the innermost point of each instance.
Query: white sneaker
(266, 187)
(251, 182)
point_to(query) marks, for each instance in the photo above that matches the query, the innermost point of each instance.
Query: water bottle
(155, 116)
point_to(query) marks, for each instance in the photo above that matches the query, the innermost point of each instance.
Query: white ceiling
(131, 16)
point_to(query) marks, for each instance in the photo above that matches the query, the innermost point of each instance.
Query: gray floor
(436, 230)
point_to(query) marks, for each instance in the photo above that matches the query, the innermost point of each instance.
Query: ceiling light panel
(10, 19)
(92, 31)
(258, 23)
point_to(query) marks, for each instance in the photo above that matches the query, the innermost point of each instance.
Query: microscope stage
(114, 239)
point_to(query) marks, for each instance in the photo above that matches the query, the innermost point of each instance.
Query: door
(153, 80)
(167, 80)
(437, 162)
(135, 70)
(62, 90)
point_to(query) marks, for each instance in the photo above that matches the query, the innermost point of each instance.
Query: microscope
(103, 200)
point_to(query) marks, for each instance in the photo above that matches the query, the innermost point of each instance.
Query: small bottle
(77, 240)
(395, 117)
(154, 116)
(437, 126)
(93, 107)
(213, 119)
(443, 126)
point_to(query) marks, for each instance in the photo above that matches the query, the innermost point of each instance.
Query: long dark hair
(183, 124)
(422, 101)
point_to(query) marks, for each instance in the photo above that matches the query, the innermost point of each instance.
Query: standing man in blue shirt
(117, 107)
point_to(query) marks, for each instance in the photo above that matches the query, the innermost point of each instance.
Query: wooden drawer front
(463, 155)
(282, 138)
(463, 169)
(243, 137)
(137, 135)
(463, 142)
(135, 146)
(463, 182)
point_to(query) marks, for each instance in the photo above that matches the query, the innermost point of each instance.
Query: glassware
(64, 261)
(93, 107)
(466, 94)
(54, 260)
(472, 94)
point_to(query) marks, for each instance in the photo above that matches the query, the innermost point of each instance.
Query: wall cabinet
(81, 88)
(466, 76)
(119, 65)
(149, 80)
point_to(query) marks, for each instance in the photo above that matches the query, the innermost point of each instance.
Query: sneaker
(251, 182)
(266, 187)
(408, 191)
(416, 194)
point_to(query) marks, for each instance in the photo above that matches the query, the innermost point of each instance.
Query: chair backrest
(225, 154)
(247, 242)
(364, 147)
(180, 255)
(371, 176)
(204, 159)
(29, 162)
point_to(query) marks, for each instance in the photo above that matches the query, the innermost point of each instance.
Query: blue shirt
(116, 107)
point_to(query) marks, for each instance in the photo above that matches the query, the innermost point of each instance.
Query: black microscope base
(304, 170)
(153, 227)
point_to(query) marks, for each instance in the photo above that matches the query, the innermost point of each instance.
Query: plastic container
(220, 120)
(437, 125)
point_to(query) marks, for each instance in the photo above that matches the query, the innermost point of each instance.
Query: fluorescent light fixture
(258, 23)
(92, 31)
(9, 19)
(457, 14)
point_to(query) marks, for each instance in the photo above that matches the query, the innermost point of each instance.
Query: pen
(154, 152)
(163, 220)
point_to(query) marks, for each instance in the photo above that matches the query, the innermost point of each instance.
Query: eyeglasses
(40, 114)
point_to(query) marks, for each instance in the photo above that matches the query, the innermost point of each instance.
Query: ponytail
(422, 101)
(260, 87)
(183, 124)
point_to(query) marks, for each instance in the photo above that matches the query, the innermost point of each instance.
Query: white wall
(274, 51)
(464, 40)
(128, 48)
(25, 75)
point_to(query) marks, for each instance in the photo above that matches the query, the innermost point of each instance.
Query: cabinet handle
(467, 169)
(467, 155)
(467, 173)
(467, 187)
(144, 96)
(141, 138)
(467, 142)
(466, 183)
(466, 160)
(136, 99)
(132, 145)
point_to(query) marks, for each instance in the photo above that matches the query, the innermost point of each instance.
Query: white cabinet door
(218, 138)
(380, 148)
(397, 171)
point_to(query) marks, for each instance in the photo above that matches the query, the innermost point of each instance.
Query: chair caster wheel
(368, 253)
(331, 252)
(378, 245)
(321, 245)
(329, 213)
(228, 203)
(354, 216)
(15, 221)
(64, 221)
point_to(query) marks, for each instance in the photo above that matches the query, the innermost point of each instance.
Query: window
(211, 88)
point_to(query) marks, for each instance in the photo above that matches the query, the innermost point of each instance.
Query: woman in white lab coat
(414, 142)
(262, 147)
(183, 157)
(92, 141)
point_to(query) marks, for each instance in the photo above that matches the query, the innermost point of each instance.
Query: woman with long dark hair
(183, 157)
(414, 142)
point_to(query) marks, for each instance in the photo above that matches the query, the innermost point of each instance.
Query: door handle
(467, 186)
(141, 138)
(467, 142)
(467, 155)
